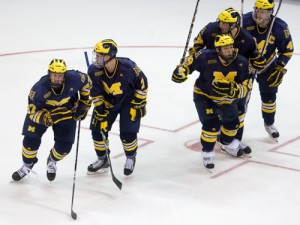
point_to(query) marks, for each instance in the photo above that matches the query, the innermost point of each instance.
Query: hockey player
(53, 102)
(228, 22)
(120, 88)
(278, 52)
(222, 81)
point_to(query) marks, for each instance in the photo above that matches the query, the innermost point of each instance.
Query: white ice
(169, 185)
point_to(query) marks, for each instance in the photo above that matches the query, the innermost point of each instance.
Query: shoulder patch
(286, 33)
(82, 77)
(137, 70)
(31, 95)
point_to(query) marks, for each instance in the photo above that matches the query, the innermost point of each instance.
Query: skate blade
(227, 153)
(209, 170)
(98, 172)
(246, 155)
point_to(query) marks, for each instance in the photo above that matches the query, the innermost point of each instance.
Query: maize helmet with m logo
(264, 4)
(106, 47)
(226, 54)
(222, 40)
(229, 15)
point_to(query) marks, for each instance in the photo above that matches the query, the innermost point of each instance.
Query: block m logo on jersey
(114, 89)
(220, 76)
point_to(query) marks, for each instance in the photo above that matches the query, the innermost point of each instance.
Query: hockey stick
(115, 180)
(242, 13)
(264, 48)
(73, 214)
(269, 33)
(190, 32)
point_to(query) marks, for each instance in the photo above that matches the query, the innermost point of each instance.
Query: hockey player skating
(278, 52)
(53, 102)
(228, 22)
(119, 88)
(222, 81)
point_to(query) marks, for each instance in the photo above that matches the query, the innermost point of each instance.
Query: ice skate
(208, 160)
(51, 168)
(129, 165)
(272, 131)
(99, 166)
(23, 171)
(233, 148)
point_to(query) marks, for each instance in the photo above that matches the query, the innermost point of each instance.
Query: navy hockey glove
(180, 74)
(137, 108)
(81, 110)
(258, 62)
(100, 120)
(59, 114)
(275, 78)
(225, 88)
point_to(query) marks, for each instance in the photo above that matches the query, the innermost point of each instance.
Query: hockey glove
(258, 62)
(225, 88)
(137, 108)
(192, 50)
(81, 110)
(180, 74)
(275, 78)
(42, 117)
(100, 120)
(59, 114)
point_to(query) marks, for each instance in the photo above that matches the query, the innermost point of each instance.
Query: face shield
(262, 16)
(100, 60)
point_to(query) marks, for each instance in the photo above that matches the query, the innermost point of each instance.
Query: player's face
(224, 27)
(227, 52)
(56, 79)
(263, 16)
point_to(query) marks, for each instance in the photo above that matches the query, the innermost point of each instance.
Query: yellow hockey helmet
(229, 15)
(264, 4)
(106, 47)
(223, 40)
(57, 66)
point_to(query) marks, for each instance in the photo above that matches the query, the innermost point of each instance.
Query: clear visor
(262, 16)
(98, 59)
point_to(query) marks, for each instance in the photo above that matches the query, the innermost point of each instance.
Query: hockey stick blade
(74, 215)
(115, 180)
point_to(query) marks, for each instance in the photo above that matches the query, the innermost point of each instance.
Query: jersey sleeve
(140, 83)
(285, 45)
